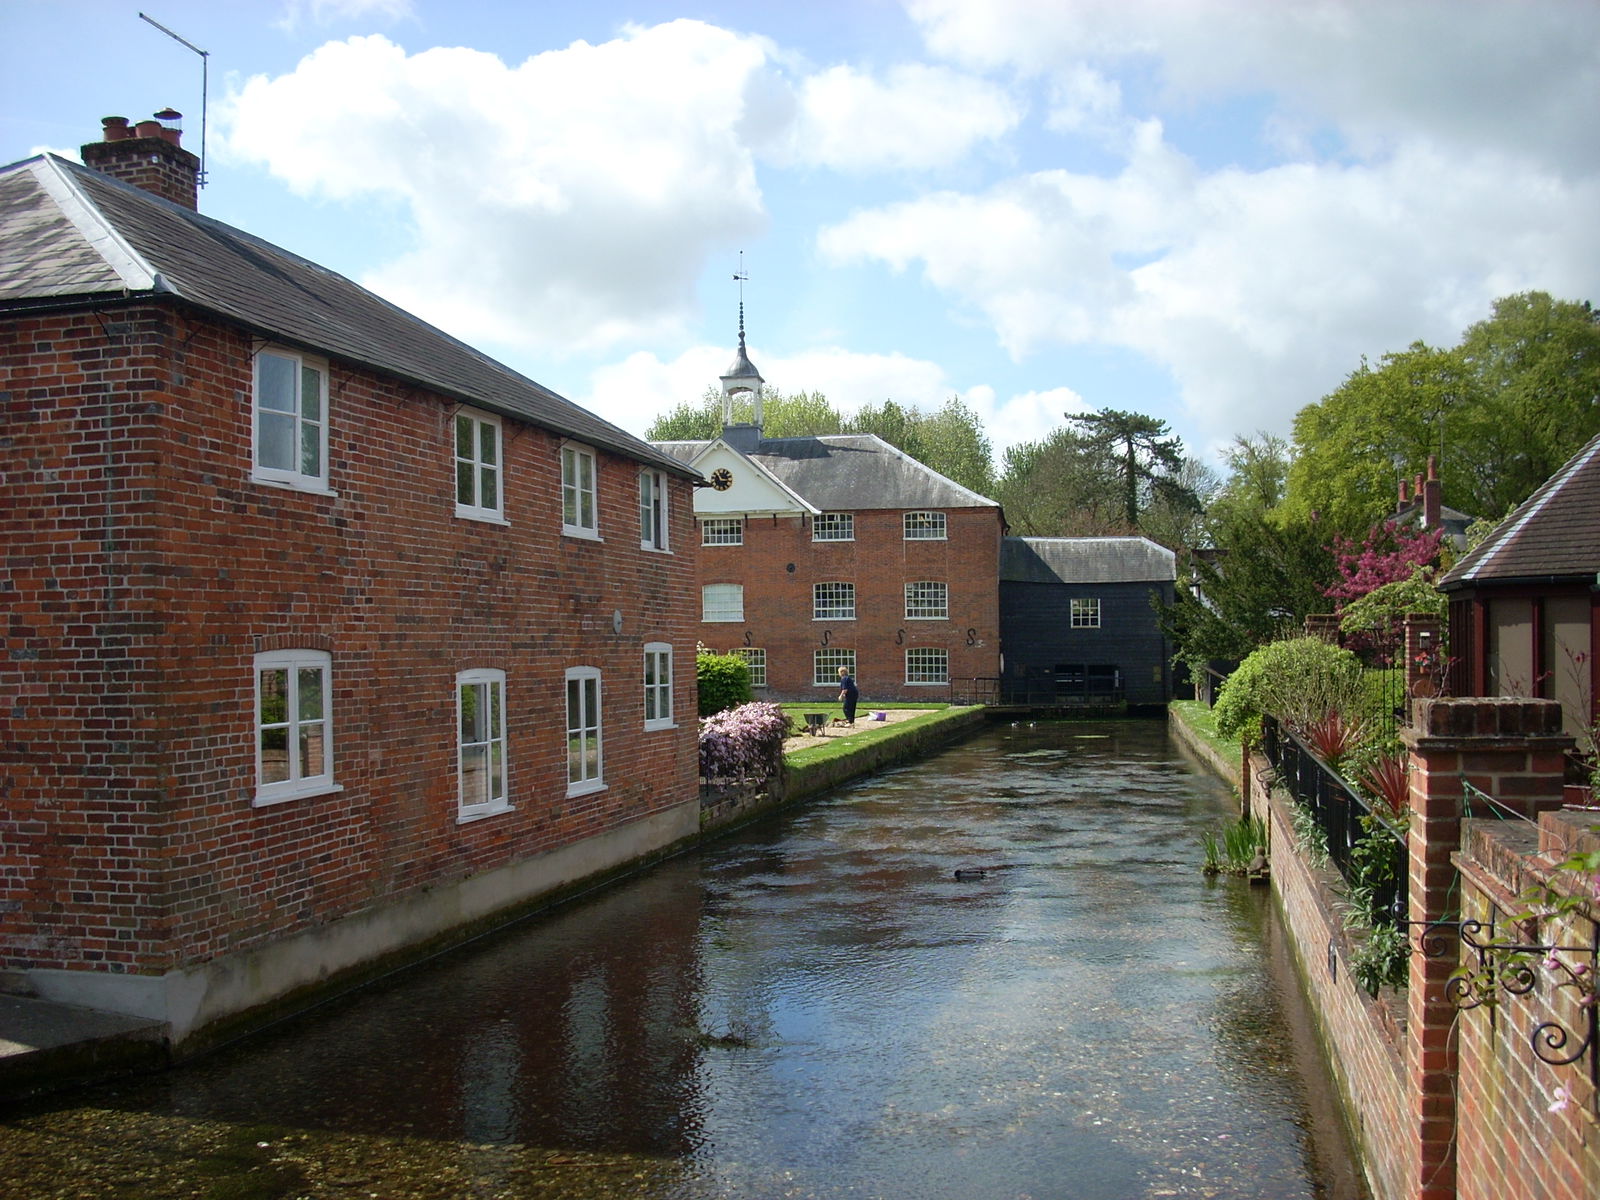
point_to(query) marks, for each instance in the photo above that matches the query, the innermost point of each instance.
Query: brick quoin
(143, 571)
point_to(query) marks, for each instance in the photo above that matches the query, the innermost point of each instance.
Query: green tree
(1378, 426)
(949, 440)
(1059, 486)
(1258, 477)
(1502, 411)
(1260, 582)
(1147, 458)
(800, 414)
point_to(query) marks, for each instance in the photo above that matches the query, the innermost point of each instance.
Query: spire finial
(742, 382)
(739, 277)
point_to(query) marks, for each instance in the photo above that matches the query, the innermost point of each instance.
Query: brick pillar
(1511, 750)
(1324, 626)
(1423, 641)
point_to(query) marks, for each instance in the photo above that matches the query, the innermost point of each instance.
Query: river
(995, 974)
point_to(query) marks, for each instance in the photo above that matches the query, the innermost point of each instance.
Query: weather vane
(739, 277)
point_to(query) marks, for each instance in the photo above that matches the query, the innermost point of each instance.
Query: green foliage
(1384, 608)
(1308, 836)
(1145, 458)
(1241, 843)
(1502, 410)
(950, 440)
(1260, 584)
(1377, 866)
(1380, 959)
(1298, 680)
(723, 681)
(1059, 487)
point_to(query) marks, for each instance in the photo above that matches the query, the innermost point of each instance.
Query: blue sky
(1207, 210)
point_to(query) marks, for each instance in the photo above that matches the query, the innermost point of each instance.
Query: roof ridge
(84, 215)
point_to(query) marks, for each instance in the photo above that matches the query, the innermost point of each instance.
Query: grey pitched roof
(1555, 533)
(1086, 560)
(69, 234)
(850, 472)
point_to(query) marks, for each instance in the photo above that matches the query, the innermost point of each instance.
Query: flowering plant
(743, 743)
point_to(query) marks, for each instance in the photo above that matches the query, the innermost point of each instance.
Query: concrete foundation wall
(251, 987)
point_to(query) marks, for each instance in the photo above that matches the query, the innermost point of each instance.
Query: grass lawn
(1204, 723)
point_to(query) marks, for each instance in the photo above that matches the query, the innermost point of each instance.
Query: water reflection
(819, 1007)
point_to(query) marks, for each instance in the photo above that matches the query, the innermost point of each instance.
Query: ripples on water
(817, 1007)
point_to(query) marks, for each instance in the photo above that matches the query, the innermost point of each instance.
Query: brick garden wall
(144, 570)
(1527, 1129)
(779, 564)
(1361, 1039)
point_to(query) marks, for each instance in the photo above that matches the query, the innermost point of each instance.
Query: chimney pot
(115, 128)
(150, 128)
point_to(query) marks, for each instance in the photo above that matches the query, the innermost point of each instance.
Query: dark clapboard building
(1079, 621)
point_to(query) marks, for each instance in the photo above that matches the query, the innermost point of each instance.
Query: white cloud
(564, 203)
(919, 116)
(1257, 290)
(1523, 78)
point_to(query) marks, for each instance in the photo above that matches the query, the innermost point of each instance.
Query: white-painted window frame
(580, 491)
(486, 736)
(833, 601)
(296, 723)
(712, 526)
(927, 666)
(714, 602)
(825, 665)
(480, 472)
(927, 525)
(307, 424)
(1085, 612)
(833, 527)
(755, 658)
(585, 747)
(927, 600)
(658, 686)
(654, 511)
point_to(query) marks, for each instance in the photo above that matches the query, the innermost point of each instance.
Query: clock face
(722, 479)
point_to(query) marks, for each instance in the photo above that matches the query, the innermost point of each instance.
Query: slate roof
(1086, 560)
(849, 472)
(1553, 534)
(71, 236)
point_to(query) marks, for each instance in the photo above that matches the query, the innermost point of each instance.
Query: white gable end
(753, 491)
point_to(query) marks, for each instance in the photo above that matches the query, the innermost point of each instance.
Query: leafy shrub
(743, 743)
(723, 680)
(1299, 680)
(1377, 868)
(1383, 609)
(1380, 959)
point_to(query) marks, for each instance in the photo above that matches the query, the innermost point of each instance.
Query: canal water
(995, 974)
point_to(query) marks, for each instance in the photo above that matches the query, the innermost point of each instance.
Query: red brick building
(840, 551)
(328, 639)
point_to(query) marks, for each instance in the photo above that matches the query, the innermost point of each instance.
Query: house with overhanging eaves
(329, 640)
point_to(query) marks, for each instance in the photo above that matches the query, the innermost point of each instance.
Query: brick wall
(1361, 1038)
(144, 570)
(779, 564)
(1528, 1128)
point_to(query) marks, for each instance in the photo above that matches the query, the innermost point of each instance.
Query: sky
(1208, 211)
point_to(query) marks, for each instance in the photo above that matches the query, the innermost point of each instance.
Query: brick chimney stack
(1432, 496)
(148, 155)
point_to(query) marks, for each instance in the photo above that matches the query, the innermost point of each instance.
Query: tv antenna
(205, 59)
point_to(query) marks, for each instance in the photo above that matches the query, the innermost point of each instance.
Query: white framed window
(722, 602)
(290, 419)
(579, 493)
(658, 685)
(653, 510)
(833, 527)
(833, 602)
(756, 659)
(722, 531)
(1085, 613)
(927, 665)
(825, 666)
(481, 743)
(925, 527)
(294, 725)
(585, 764)
(927, 600)
(478, 468)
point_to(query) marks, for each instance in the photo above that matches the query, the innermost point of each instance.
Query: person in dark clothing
(848, 695)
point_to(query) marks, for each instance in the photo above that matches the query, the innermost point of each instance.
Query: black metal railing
(1336, 808)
